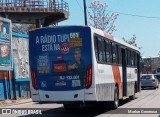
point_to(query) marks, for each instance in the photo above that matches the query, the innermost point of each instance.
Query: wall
(21, 65)
(15, 83)
(151, 64)
(20, 56)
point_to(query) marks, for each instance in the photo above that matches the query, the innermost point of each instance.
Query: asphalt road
(146, 99)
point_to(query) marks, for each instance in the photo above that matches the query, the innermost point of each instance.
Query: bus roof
(102, 33)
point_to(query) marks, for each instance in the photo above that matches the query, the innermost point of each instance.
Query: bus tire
(132, 97)
(115, 103)
(72, 106)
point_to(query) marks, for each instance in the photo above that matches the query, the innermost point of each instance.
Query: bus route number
(74, 35)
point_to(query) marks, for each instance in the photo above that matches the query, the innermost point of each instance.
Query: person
(77, 66)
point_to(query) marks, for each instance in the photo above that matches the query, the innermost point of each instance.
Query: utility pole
(85, 13)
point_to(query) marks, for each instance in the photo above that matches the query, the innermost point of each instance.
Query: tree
(159, 53)
(22, 28)
(132, 41)
(100, 18)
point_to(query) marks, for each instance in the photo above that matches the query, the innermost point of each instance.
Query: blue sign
(60, 56)
(5, 44)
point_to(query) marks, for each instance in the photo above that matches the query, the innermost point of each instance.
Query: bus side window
(130, 62)
(114, 53)
(103, 50)
(120, 55)
(108, 51)
(111, 57)
(128, 57)
(132, 58)
(117, 49)
(100, 50)
(96, 47)
(135, 63)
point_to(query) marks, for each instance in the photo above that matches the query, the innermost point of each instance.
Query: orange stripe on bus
(117, 76)
(108, 36)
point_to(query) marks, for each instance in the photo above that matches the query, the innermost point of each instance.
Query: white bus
(76, 65)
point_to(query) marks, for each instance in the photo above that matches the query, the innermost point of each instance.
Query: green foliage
(131, 41)
(159, 53)
(22, 28)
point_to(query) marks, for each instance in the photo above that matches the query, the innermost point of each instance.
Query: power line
(79, 5)
(135, 15)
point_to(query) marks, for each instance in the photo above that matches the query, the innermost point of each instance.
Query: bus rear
(60, 63)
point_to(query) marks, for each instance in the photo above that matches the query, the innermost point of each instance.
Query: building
(39, 12)
(150, 64)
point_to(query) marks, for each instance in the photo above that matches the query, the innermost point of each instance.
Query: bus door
(124, 72)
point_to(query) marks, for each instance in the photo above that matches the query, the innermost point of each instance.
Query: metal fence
(49, 4)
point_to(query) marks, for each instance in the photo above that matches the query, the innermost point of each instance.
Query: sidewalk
(14, 102)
